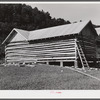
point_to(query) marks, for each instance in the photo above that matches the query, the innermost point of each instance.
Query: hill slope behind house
(43, 77)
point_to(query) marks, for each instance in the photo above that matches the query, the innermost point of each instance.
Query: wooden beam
(75, 62)
(61, 63)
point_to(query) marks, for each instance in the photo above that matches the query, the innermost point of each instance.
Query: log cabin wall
(54, 50)
(98, 49)
(87, 39)
(98, 46)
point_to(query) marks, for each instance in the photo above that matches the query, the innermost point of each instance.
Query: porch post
(61, 63)
(47, 62)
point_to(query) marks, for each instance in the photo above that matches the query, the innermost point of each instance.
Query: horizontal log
(39, 53)
(43, 52)
(87, 42)
(44, 49)
(39, 46)
(49, 58)
(45, 43)
(52, 41)
(48, 44)
(31, 61)
(15, 54)
(33, 47)
(52, 50)
(43, 56)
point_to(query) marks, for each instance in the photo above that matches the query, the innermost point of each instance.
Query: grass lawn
(45, 77)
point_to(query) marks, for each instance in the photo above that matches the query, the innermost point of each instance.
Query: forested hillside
(24, 17)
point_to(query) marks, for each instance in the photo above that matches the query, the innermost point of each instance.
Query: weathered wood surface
(61, 49)
(87, 39)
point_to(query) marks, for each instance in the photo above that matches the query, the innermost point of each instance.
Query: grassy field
(43, 77)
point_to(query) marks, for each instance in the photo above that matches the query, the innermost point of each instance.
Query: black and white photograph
(49, 46)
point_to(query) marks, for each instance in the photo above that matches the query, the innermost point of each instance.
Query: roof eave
(14, 29)
(54, 37)
(8, 37)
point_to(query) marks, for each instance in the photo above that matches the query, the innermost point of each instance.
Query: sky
(71, 11)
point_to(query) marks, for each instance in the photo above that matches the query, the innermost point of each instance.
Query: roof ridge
(60, 30)
(61, 25)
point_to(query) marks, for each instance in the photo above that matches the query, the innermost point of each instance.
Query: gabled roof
(56, 31)
(24, 33)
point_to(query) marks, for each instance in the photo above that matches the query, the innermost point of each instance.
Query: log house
(55, 45)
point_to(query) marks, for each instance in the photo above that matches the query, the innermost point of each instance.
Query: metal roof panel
(57, 31)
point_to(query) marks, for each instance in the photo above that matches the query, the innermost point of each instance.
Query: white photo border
(50, 94)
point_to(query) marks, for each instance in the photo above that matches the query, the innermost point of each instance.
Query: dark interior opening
(68, 63)
(41, 62)
(79, 63)
(54, 63)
